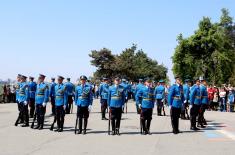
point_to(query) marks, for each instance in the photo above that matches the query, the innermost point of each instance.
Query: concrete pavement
(218, 138)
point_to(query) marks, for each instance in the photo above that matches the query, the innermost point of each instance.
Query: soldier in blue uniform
(204, 104)
(23, 98)
(17, 88)
(103, 93)
(145, 96)
(42, 97)
(160, 96)
(126, 87)
(138, 87)
(70, 89)
(83, 100)
(175, 101)
(116, 100)
(51, 94)
(186, 88)
(61, 98)
(195, 103)
(32, 90)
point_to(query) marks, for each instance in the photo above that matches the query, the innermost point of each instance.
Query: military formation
(185, 102)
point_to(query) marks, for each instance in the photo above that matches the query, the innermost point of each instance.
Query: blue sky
(54, 37)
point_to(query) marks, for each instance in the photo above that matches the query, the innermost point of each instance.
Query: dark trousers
(70, 102)
(184, 110)
(201, 119)
(20, 118)
(60, 113)
(193, 114)
(53, 105)
(40, 111)
(175, 115)
(31, 106)
(104, 105)
(146, 117)
(26, 114)
(82, 113)
(116, 115)
(159, 106)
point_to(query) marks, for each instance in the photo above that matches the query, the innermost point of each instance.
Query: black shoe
(40, 128)
(16, 123)
(31, 116)
(84, 131)
(105, 118)
(79, 131)
(25, 125)
(117, 132)
(37, 127)
(60, 130)
(202, 126)
(21, 121)
(194, 128)
(113, 133)
(56, 130)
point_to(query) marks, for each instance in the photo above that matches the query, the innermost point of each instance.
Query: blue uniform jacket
(195, 95)
(83, 95)
(125, 86)
(176, 96)
(138, 87)
(104, 90)
(204, 94)
(23, 92)
(61, 95)
(145, 96)
(159, 92)
(231, 97)
(52, 89)
(70, 88)
(32, 89)
(42, 93)
(186, 91)
(116, 96)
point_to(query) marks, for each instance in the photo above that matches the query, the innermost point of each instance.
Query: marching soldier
(184, 110)
(17, 87)
(23, 98)
(138, 87)
(145, 96)
(103, 92)
(83, 100)
(52, 93)
(204, 103)
(175, 101)
(60, 103)
(160, 96)
(116, 100)
(125, 86)
(70, 89)
(32, 90)
(195, 103)
(42, 97)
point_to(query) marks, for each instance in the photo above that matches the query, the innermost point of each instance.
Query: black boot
(85, 126)
(80, 126)
(148, 126)
(113, 127)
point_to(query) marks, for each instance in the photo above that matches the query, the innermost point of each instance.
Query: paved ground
(217, 138)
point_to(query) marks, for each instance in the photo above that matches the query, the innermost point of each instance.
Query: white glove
(190, 106)
(169, 107)
(25, 102)
(140, 106)
(65, 107)
(185, 101)
(44, 104)
(162, 100)
(89, 108)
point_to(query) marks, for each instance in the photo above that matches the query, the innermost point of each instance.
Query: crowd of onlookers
(7, 93)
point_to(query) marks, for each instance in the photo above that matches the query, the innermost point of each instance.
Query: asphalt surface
(218, 138)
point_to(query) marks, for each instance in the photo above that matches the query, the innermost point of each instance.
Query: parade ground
(217, 139)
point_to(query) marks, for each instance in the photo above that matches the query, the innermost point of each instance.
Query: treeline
(131, 63)
(209, 52)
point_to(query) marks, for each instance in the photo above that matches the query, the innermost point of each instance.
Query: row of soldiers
(114, 97)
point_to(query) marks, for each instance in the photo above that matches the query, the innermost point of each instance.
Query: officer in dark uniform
(83, 100)
(175, 101)
(32, 90)
(145, 96)
(60, 103)
(160, 96)
(52, 93)
(103, 92)
(195, 103)
(116, 100)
